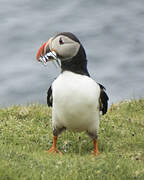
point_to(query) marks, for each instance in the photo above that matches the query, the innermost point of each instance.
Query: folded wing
(103, 100)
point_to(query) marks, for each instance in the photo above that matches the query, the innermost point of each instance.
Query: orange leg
(96, 152)
(54, 149)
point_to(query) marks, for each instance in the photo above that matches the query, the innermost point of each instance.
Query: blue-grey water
(112, 32)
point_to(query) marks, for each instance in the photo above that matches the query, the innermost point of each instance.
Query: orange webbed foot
(54, 150)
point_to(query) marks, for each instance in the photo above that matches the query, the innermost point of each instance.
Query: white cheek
(67, 50)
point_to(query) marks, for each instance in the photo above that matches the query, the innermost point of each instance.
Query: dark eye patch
(61, 41)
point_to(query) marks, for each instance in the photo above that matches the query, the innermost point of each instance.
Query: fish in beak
(46, 53)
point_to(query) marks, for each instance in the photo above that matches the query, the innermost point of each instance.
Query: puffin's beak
(41, 52)
(46, 53)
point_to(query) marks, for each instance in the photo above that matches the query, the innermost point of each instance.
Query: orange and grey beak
(46, 53)
(41, 52)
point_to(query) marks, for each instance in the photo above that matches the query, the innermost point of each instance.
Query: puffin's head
(63, 46)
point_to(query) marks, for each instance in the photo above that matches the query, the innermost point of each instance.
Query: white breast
(75, 102)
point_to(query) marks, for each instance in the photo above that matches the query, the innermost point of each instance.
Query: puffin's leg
(96, 152)
(94, 136)
(54, 149)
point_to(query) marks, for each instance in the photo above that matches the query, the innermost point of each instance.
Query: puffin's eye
(61, 41)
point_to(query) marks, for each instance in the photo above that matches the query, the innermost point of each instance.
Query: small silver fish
(49, 57)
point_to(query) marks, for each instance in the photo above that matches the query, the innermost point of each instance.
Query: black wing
(49, 97)
(103, 100)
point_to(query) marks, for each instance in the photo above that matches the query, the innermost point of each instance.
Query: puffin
(76, 99)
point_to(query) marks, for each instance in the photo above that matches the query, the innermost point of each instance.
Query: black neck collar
(77, 64)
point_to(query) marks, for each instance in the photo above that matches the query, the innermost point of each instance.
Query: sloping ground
(25, 134)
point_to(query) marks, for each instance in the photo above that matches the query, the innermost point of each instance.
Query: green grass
(25, 134)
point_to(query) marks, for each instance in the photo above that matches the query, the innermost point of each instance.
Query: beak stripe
(40, 51)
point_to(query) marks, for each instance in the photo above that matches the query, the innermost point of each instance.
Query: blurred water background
(112, 32)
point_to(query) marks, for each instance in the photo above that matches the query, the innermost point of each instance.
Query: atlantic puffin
(76, 99)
